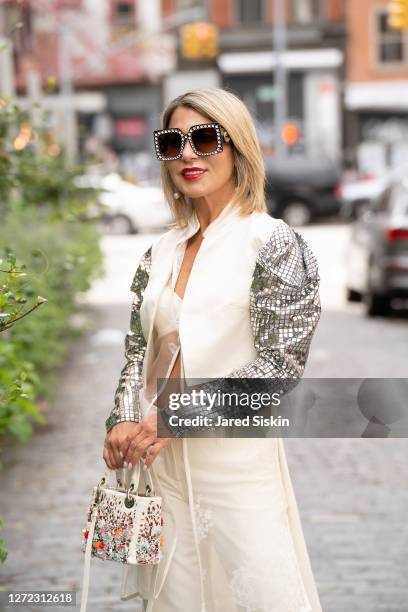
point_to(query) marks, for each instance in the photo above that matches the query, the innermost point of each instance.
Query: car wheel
(296, 213)
(119, 225)
(377, 305)
(352, 295)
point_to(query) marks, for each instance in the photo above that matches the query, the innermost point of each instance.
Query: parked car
(129, 208)
(377, 253)
(357, 194)
(299, 190)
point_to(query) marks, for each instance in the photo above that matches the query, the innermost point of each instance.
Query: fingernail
(130, 466)
(145, 467)
(125, 465)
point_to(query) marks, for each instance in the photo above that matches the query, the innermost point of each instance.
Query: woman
(228, 293)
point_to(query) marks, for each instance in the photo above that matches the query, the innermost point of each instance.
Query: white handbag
(122, 525)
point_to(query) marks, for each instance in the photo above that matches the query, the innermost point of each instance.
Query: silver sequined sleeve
(126, 400)
(284, 311)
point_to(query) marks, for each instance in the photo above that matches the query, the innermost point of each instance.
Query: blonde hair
(225, 108)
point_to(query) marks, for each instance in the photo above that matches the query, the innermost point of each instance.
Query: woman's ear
(226, 136)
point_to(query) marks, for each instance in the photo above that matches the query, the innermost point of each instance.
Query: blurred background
(116, 63)
(82, 87)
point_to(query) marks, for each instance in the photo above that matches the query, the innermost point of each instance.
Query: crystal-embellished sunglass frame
(184, 137)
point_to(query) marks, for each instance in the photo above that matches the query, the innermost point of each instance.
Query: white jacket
(250, 309)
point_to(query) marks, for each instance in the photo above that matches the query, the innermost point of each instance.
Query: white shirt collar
(227, 213)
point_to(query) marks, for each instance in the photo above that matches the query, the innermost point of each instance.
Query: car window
(382, 203)
(399, 200)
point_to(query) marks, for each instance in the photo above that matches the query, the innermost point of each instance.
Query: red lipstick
(193, 173)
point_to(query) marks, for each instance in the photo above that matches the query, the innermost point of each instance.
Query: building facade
(314, 60)
(110, 54)
(376, 92)
(131, 65)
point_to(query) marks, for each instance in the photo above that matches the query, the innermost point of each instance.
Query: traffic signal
(398, 14)
(290, 133)
(199, 40)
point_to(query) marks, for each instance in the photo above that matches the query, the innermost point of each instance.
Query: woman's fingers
(119, 438)
(138, 448)
(149, 446)
(152, 454)
(154, 450)
(124, 442)
(107, 458)
(144, 436)
(132, 446)
(127, 442)
(115, 453)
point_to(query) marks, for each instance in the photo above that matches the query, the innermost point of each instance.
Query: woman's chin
(195, 193)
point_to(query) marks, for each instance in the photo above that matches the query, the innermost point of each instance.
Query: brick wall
(221, 11)
(167, 7)
(335, 9)
(361, 57)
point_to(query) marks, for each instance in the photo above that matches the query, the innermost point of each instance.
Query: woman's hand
(144, 441)
(114, 440)
(128, 442)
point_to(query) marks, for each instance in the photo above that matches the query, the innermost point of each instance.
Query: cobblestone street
(352, 493)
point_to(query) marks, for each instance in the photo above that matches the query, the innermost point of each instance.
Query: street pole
(7, 87)
(280, 77)
(34, 94)
(67, 110)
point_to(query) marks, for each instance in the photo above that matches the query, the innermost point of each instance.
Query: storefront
(378, 124)
(313, 95)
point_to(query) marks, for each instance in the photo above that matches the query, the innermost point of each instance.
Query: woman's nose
(188, 152)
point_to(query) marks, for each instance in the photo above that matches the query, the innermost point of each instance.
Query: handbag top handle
(134, 478)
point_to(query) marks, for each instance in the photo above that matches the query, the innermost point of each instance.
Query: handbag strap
(87, 562)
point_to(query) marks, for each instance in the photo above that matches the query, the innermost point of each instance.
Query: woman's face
(218, 169)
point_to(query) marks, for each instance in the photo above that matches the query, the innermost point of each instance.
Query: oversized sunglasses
(205, 139)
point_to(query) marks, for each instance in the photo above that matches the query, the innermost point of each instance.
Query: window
(382, 202)
(399, 200)
(186, 4)
(306, 11)
(124, 13)
(22, 36)
(198, 9)
(249, 12)
(390, 48)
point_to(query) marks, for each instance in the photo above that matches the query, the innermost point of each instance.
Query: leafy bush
(18, 378)
(49, 252)
(63, 258)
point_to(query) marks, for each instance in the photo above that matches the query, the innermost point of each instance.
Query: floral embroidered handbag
(122, 525)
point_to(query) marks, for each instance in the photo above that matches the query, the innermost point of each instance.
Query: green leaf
(22, 429)
(3, 551)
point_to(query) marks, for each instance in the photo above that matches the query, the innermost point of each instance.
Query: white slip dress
(234, 550)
